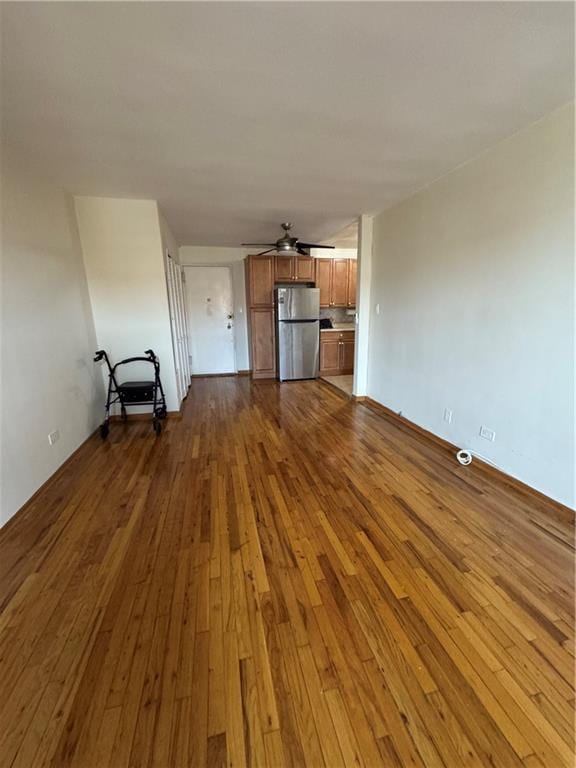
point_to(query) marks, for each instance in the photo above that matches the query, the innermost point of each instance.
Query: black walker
(131, 393)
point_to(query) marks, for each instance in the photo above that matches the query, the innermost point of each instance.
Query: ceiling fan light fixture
(284, 247)
(289, 246)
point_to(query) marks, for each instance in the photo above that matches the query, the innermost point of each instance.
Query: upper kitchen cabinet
(305, 269)
(352, 266)
(336, 279)
(339, 293)
(284, 268)
(324, 280)
(260, 274)
(299, 269)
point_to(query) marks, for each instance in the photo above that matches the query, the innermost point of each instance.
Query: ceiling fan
(286, 244)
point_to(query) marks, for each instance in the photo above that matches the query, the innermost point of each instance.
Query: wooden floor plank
(284, 578)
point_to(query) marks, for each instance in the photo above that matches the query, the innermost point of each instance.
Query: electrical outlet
(487, 434)
(53, 437)
(377, 309)
(448, 415)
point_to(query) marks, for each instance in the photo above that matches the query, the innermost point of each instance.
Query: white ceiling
(345, 238)
(237, 116)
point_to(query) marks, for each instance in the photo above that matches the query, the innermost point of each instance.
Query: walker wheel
(104, 429)
(157, 426)
(161, 413)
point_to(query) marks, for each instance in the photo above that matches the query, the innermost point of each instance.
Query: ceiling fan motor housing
(288, 244)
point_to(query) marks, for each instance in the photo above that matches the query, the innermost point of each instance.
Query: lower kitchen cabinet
(329, 354)
(347, 354)
(336, 353)
(263, 343)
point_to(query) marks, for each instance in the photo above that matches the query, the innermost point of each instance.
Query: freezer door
(298, 349)
(298, 303)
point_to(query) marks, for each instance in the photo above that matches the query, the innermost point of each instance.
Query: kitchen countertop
(339, 327)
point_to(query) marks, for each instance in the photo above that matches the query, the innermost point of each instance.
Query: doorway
(210, 308)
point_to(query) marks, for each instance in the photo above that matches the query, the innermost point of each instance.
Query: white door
(210, 308)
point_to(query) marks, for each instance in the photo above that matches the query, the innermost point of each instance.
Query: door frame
(178, 323)
(227, 266)
(363, 306)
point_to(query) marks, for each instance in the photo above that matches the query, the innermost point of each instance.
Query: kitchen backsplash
(338, 314)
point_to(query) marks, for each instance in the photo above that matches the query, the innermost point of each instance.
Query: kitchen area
(302, 317)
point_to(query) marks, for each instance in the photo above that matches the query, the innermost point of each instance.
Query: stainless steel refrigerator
(298, 332)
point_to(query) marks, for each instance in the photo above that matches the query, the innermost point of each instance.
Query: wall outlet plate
(448, 415)
(488, 434)
(53, 437)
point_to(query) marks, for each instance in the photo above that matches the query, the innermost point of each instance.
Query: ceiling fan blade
(312, 245)
(257, 245)
(301, 251)
(264, 252)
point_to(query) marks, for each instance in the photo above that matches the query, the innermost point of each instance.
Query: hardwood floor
(284, 578)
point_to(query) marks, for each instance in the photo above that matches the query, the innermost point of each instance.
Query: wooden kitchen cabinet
(260, 272)
(329, 354)
(299, 269)
(352, 266)
(336, 279)
(324, 280)
(284, 268)
(339, 292)
(263, 343)
(347, 346)
(336, 353)
(305, 269)
(260, 280)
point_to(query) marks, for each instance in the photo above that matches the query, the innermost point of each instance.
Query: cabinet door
(304, 269)
(261, 281)
(346, 359)
(323, 280)
(329, 353)
(263, 343)
(285, 268)
(352, 265)
(339, 292)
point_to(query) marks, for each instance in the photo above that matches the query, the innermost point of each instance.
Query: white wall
(475, 281)
(234, 257)
(122, 246)
(49, 381)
